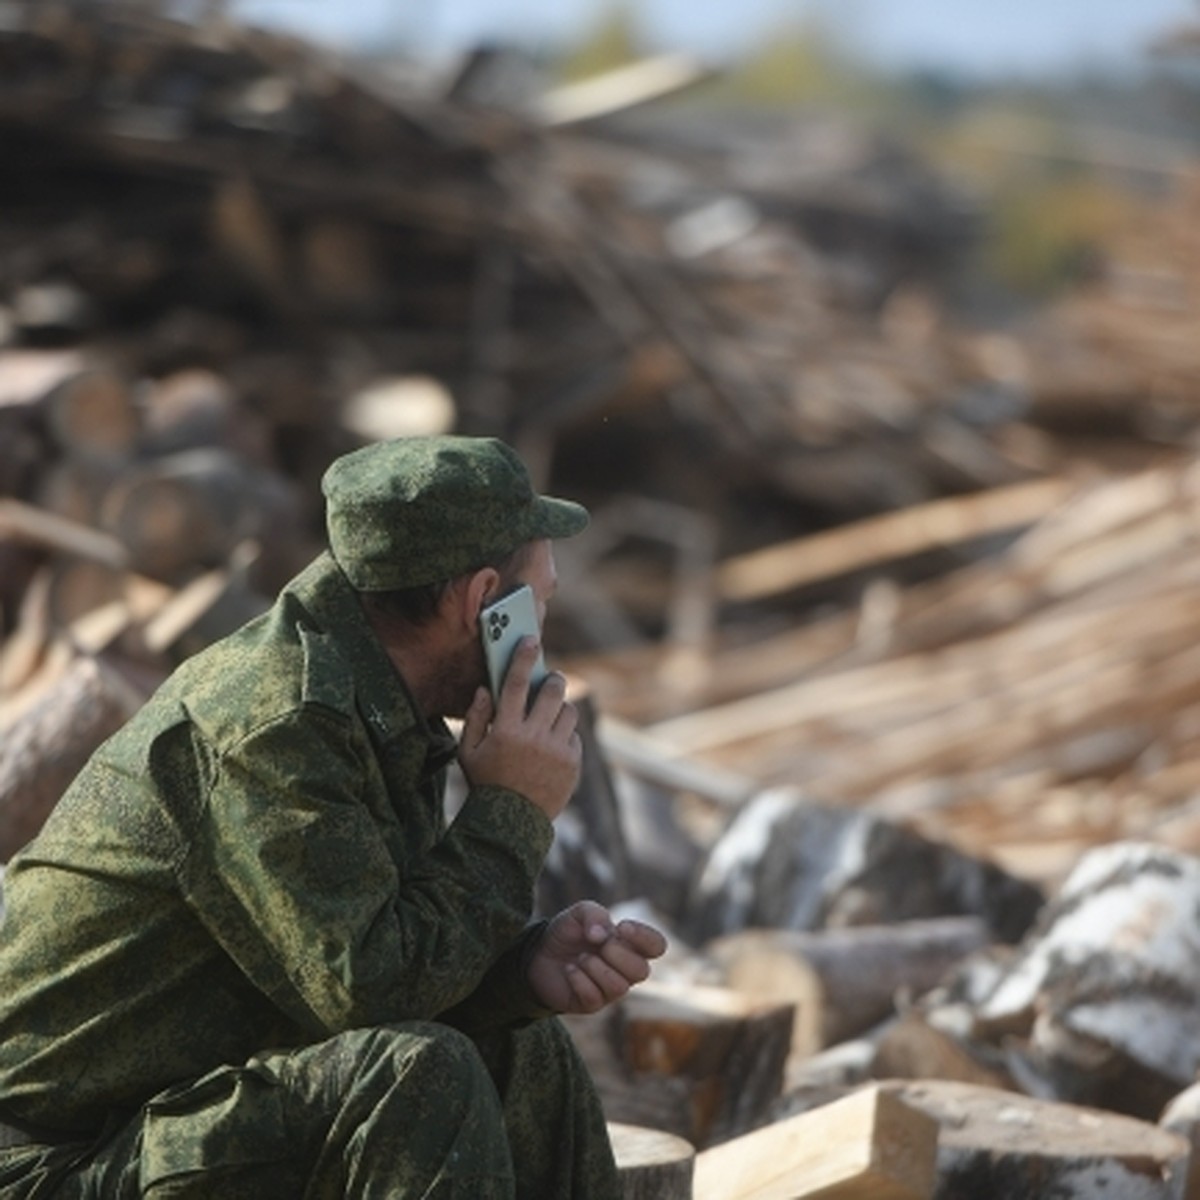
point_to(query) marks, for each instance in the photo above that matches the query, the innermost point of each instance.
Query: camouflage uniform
(246, 956)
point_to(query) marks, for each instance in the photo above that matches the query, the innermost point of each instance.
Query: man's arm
(291, 871)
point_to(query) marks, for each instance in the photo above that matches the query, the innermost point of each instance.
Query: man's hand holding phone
(528, 746)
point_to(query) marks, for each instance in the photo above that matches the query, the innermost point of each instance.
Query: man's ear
(477, 589)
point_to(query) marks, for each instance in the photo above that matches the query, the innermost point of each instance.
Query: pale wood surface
(843, 981)
(653, 1165)
(870, 1145)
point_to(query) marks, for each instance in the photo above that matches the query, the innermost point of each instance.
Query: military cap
(419, 510)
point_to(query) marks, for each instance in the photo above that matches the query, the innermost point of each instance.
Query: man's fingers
(515, 689)
(645, 939)
(609, 983)
(630, 964)
(550, 703)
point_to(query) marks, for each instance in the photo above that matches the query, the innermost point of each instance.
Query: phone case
(502, 625)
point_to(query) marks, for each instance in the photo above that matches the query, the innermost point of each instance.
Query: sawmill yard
(886, 630)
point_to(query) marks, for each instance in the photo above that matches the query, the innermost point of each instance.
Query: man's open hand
(585, 961)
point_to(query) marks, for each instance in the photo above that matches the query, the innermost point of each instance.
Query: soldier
(247, 957)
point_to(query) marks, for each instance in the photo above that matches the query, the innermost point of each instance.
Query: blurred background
(870, 334)
(867, 330)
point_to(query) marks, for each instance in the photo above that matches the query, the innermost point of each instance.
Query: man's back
(111, 985)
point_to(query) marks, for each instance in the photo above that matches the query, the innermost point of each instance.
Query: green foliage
(1046, 234)
(797, 64)
(612, 42)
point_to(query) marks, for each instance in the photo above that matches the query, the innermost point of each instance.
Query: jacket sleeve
(503, 997)
(289, 869)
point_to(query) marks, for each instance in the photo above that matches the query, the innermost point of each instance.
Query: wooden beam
(36, 525)
(869, 1145)
(912, 530)
(626, 87)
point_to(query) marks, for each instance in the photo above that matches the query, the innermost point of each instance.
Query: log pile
(884, 631)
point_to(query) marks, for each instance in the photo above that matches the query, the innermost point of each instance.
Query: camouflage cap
(420, 510)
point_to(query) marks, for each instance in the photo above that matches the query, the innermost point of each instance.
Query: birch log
(46, 747)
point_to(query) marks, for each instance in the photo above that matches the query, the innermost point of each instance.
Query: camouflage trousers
(403, 1111)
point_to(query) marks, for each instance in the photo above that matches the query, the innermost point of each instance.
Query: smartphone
(502, 624)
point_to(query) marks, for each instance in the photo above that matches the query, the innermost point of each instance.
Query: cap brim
(556, 518)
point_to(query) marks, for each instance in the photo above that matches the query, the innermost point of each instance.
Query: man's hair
(416, 606)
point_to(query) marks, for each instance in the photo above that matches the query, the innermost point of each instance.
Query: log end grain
(652, 1164)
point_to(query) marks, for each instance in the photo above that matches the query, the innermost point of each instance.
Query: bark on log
(783, 863)
(652, 1165)
(997, 1145)
(45, 748)
(1182, 1117)
(852, 975)
(702, 1063)
(1107, 986)
(93, 415)
(191, 509)
(912, 1047)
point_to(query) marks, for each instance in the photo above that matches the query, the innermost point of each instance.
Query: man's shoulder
(274, 667)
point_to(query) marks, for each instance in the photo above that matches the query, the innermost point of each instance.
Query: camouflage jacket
(259, 858)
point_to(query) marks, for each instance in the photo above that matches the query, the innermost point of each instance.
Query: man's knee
(423, 1055)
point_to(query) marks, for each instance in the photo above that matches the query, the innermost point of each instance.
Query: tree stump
(702, 1063)
(652, 1165)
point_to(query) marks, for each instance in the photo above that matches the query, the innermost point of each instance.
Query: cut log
(186, 410)
(1182, 1117)
(46, 747)
(996, 1145)
(93, 415)
(870, 1145)
(23, 651)
(913, 1047)
(783, 863)
(852, 976)
(400, 406)
(191, 509)
(702, 1063)
(1107, 987)
(652, 1165)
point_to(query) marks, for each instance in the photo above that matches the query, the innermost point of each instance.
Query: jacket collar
(383, 697)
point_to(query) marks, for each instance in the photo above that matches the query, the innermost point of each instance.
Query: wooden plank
(868, 543)
(869, 1145)
(620, 89)
(30, 524)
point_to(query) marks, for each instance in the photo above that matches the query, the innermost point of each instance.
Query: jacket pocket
(228, 1123)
